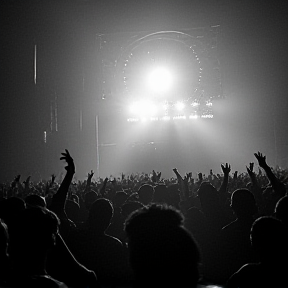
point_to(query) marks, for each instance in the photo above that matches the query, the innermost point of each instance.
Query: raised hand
(223, 190)
(53, 177)
(250, 169)
(27, 181)
(17, 178)
(90, 175)
(226, 168)
(113, 181)
(154, 176)
(179, 177)
(66, 156)
(102, 190)
(186, 179)
(15, 181)
(261, 159)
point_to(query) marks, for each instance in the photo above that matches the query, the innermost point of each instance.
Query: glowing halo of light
(160, 80)
(161, 48)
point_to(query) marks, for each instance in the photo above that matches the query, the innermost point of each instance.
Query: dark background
(252, 48)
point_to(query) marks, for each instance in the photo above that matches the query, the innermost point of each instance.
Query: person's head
(145, 194)
(269, 239)
(72, 210)
(12, 207)
(36, 231)
(161, 195)
(161, 250)
(243, 203)
(100, 215)
(129, 207)
(89, 198)
(208, 196)
(35, 200)
(174, 195)
(119, 199)
(281, 210)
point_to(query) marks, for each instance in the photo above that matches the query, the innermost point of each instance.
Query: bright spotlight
(160, 80)
(180, 106)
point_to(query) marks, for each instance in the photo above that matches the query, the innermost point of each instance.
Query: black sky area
(252, 49)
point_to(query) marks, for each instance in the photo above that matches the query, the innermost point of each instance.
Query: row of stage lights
(144, 111)
(168, 118)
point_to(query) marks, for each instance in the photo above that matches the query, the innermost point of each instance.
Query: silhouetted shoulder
(43, 281)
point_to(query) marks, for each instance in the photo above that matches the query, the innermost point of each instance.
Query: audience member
(269, 241)
(98, 251)
(34, 236)
(235, 237)
(162, 252)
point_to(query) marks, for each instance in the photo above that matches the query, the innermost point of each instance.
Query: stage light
(166, 118)
(179, 117)
(193, 117)
(132, 119)
(207, 116)
(194, 104)
(180, 106)
(160, 80)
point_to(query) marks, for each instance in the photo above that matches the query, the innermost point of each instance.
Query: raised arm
(103, 188)
(88, 182)
(277, 185)
(58, 201)
(223, 188)
(183, 182)
(255, 189)
(27, 185)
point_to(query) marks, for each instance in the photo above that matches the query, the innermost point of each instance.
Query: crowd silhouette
(141, 230)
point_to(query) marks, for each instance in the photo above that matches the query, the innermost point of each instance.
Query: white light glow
(165, 106)
(179, 117)
(143, 108)
(193, 117)
(180, 106)
(209, 104)
(132, 119)
(166, 118)
(160, 80)
(207, 116)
